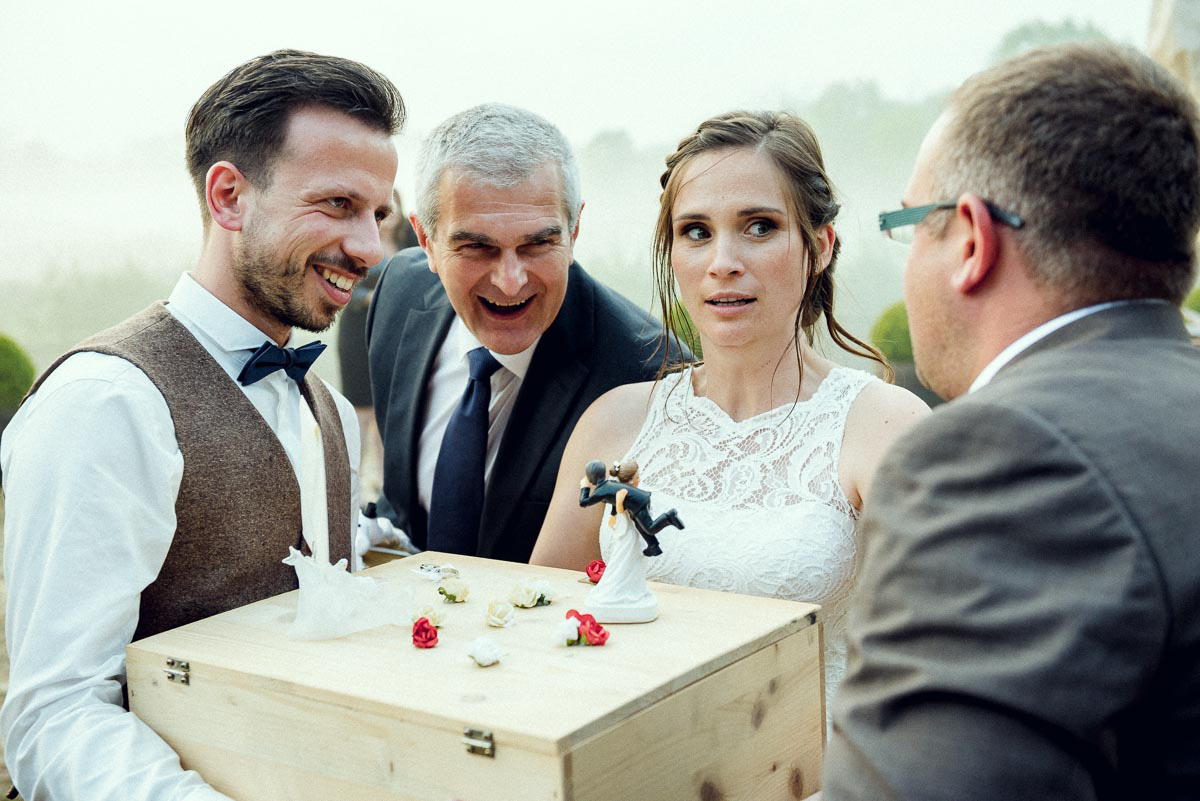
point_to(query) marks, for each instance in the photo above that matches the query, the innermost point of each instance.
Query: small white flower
(545, 592)
(566, 632)
(454, 589)
(523, 595)
(430, 613)
(500, 613)
(484, 651)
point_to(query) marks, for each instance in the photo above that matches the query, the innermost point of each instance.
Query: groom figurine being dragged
(626, 498)
(622, 595)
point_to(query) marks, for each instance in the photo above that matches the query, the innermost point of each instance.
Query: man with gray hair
(1028, 624)
(488, 342)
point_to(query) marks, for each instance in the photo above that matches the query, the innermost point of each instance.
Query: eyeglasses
(899, 225)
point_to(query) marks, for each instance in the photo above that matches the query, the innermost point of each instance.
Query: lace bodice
(764, 509)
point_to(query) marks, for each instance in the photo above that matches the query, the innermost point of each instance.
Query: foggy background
(98, 216)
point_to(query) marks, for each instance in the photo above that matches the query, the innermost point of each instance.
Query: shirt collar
(225, 327)
(1029, 338)
(464, 342)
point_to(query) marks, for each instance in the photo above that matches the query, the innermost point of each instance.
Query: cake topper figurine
(622, 595)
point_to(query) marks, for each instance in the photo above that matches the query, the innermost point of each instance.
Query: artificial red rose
(424, 633)
(595, 570)
(593, 632)
(581, 618)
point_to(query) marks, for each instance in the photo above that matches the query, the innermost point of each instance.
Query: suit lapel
(416, 349)
(546, 394)
(556, 376)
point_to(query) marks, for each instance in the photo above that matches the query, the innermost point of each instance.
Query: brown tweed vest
(238, 507)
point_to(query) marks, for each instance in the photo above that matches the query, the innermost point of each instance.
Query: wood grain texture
(754, 730)
(369, 716)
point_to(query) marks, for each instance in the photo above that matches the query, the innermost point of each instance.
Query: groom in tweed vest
(151, 473)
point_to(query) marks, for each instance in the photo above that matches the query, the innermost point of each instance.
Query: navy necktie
(457, 502)
(269, 358)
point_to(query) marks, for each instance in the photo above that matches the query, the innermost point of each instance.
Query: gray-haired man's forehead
(550, 232)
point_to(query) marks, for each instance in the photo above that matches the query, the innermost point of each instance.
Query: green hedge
(681, 321)
(1192, 301)
(16, 373)
(890, 334)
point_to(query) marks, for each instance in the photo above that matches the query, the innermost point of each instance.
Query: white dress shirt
(1029, 338)
(91, 473)
(447, 382)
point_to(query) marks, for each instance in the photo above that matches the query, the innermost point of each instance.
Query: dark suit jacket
(1027, 621)
(636, 499)
(599, 340)
(352, 340)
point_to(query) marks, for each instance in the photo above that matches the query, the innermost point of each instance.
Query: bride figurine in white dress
(766, 447)
(622, 595)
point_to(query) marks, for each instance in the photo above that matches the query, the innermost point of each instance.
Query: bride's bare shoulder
(614, 419)
(619, 409)
(878, 417)
(625, 401)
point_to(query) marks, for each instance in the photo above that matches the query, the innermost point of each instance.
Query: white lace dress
(764, 509)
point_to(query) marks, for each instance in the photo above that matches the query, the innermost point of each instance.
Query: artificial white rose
(454, 590)
(566, 632)
(545, 592)
(500, 614)
(523, 595)
(484, 651)
(430, 613)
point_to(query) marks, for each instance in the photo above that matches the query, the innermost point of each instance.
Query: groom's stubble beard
(279, 290)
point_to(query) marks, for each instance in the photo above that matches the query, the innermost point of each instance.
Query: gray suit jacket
(599, 340)
(1027, 620)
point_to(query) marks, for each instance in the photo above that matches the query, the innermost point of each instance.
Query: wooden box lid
(542, 697)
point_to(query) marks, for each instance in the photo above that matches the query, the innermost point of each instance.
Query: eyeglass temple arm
(914, 215)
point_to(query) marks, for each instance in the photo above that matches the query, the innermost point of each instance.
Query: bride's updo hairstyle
(792, 147)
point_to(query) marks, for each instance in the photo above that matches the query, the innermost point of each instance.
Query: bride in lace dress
(766, 448)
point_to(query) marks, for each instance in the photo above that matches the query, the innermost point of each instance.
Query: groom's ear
(981, 249)
(226, 190)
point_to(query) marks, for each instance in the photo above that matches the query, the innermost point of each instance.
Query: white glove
(374, 531)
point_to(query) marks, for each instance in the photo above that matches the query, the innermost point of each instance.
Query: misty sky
(95, 94)
(82, 75)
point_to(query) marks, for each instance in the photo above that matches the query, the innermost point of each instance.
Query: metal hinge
(178, 671)
(479, 742)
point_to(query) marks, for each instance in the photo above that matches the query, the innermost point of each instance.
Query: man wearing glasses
(1029, 619)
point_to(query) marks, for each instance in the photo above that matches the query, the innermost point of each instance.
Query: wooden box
(720, 698)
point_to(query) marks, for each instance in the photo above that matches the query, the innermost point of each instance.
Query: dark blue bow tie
(269, 358)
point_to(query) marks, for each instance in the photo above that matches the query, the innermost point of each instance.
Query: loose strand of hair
(866, 350)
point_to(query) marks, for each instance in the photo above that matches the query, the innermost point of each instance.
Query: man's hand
(374, 531)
